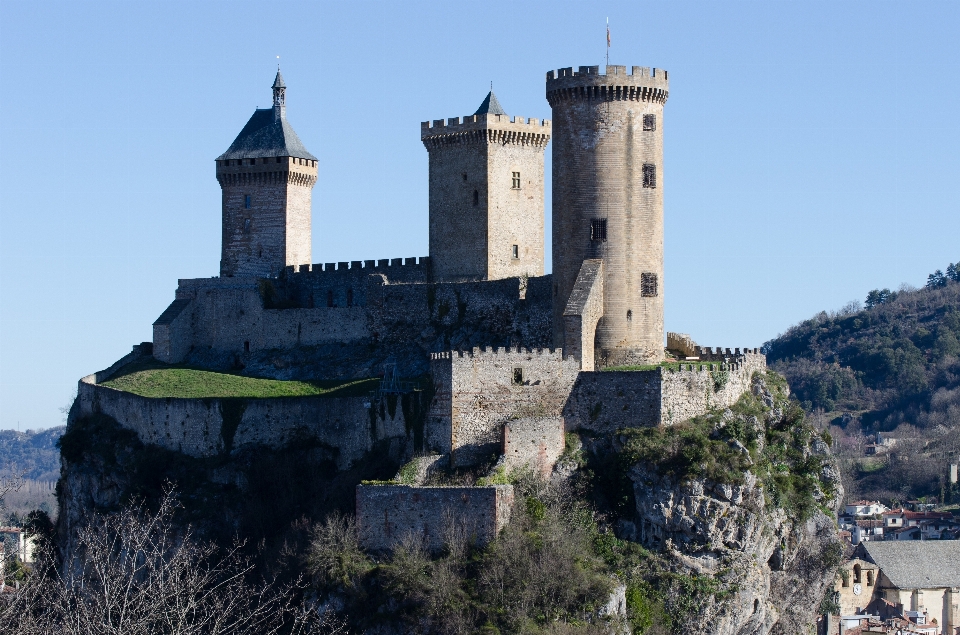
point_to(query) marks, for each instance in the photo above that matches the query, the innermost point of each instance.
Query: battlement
(390, 266)
(486, 128)
(641, 84)
(718, 354)
(555, 354)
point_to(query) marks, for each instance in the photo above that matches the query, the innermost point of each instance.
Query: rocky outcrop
(771, 564)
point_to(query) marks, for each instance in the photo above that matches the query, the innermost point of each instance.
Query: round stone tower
(608, 209)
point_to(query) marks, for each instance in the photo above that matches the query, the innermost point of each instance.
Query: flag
(608, 32)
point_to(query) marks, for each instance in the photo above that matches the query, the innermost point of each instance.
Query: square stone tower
(267, 178)
(486, 194)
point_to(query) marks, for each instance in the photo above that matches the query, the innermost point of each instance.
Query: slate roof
(264, 136)
(917, 564)
(490, 106)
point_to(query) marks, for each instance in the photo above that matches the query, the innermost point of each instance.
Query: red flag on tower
(608, 32)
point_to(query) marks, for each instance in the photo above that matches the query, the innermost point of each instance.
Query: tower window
(518, 375)
(629, 315)
(246, 225)
(598, 230)
(349, 297)
(516, 180)
(464, 176)
(330, 298)
(649, 175)
(246, 201)
(649, 122)
(476, 198)
(246, 347)
(648, 285)
(516, 251)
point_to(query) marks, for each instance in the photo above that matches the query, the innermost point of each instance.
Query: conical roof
(278, 82)
(490, 106)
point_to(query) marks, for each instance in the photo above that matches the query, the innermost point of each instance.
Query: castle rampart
(348, 426)
(486, 128)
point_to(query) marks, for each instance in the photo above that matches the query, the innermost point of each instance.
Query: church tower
(486, 194)
(608, 212)
(267, 177)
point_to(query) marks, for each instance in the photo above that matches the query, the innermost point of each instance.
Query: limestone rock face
(772, 569)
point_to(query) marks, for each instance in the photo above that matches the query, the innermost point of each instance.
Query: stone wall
(536, 443)
(350, 426)
(698, 387)
(390, 514)
(233, 315)
(489, 388)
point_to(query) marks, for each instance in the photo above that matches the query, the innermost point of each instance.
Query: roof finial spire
(279, 96)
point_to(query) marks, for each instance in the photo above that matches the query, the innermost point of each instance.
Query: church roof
(490, 106)
(917, 564)
(265, 136)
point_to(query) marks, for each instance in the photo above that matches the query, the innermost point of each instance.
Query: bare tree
(137, 572)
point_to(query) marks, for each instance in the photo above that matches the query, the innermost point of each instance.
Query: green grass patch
(153, 379)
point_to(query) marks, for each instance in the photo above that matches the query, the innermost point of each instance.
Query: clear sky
(811, 149)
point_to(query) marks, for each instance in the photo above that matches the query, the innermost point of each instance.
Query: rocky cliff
(762, 537)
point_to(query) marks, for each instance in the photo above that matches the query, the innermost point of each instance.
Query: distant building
(863, 508)
(918, 581)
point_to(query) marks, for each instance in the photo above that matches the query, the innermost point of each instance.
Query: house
(866, 530)
(865, 508)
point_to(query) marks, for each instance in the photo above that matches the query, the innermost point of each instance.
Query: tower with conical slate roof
(486, 194)
(267, 178)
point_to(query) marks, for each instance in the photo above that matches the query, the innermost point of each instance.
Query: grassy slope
(152, 379)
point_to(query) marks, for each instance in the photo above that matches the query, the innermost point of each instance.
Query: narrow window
(259, 252)
(246, 201)
(629, 315)
(649, 175)
(464, 176)
(598, 230)
(516, 251)
(516, 180)
(648, 285)
(246, 347)
(476, 198)
(246, 225)
(869, 578)
(330, 298)
(349, 297)
(649, 122)
(517, 375)
(856, 573)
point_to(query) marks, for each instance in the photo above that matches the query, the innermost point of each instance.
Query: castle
(515, 357)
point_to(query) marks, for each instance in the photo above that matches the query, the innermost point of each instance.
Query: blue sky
(810, 149)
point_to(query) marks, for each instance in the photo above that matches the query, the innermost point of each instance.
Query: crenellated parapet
(642, 84)
(485, 128)
(503, 353)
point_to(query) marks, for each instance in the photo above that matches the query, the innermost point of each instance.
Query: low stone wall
(390, 514)
(697, 387)
(206, 427)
